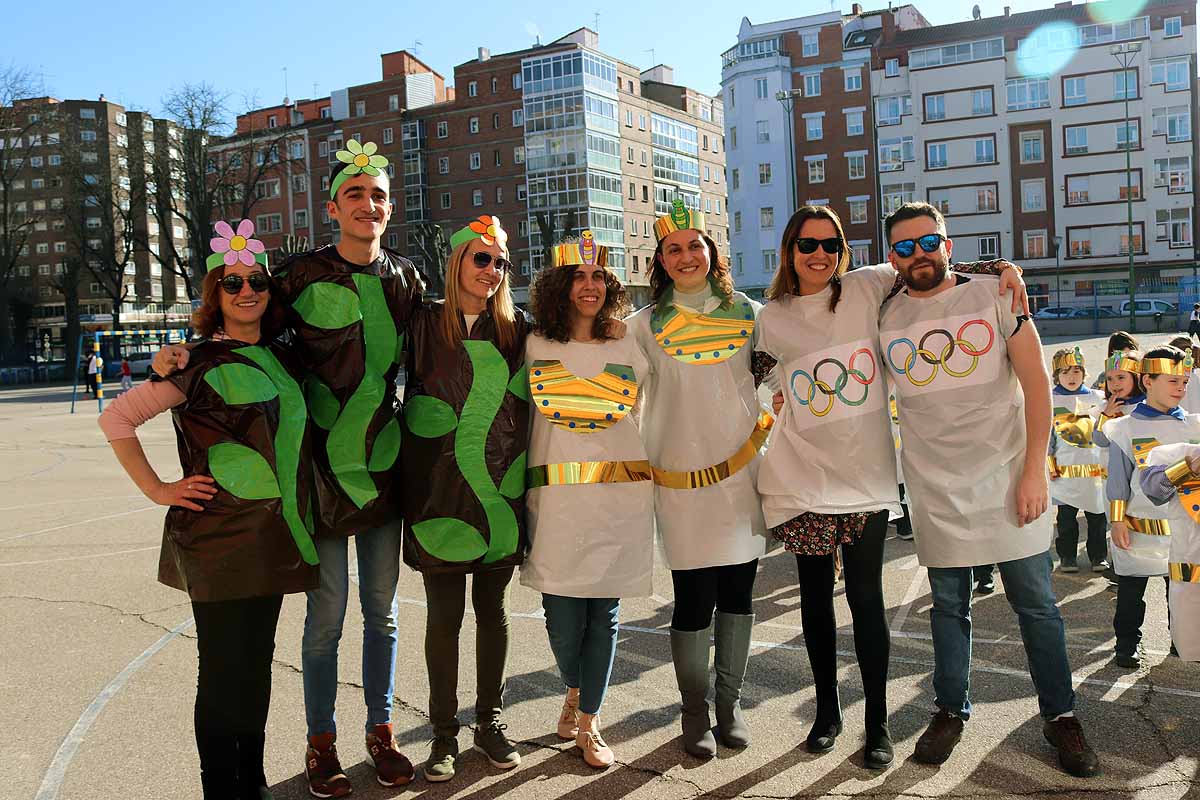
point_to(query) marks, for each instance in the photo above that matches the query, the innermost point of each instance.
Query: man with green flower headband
(349, 307)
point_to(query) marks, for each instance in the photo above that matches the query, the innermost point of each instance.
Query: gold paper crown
(1123, 361)
(583, 252)
(681, 218)
(1068, 360)
(1167, 366)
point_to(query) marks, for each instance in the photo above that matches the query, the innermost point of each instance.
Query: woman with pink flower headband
(239, 532)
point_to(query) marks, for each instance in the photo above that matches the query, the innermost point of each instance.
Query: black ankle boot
(878, 752)
(828, 724)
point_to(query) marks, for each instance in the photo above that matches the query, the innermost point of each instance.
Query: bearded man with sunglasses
(349, 306)
(974, 402)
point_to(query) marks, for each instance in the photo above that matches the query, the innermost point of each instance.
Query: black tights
(236, 641)
(698, 592)
(863, 566)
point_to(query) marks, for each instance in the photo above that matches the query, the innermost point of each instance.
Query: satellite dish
(975, 13)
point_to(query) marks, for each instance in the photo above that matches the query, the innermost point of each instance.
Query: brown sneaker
(322, 768)
(1076, 757)
(392, 768)
(937, 742)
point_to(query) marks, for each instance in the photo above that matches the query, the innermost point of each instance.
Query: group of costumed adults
(557, 443)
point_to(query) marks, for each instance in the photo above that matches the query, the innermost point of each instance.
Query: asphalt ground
(98, 669)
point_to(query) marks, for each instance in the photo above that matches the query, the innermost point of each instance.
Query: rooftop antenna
(285, 87)
(315, 85)
(415, 48)
(596, 22)
(653, 63)
(976, 13)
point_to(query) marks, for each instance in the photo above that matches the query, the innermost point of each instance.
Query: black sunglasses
(832, 246)
(232, 284)
(482, 260)
(929, 243)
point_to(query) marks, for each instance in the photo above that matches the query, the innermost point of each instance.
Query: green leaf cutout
(242, 472)
(386, 447)
(328, 305)
(239, 384)
(519, 385)
(323, 406)
(450, 539)
(512, 485)
(429, 417)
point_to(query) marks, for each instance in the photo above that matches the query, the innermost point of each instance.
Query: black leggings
(698, 592)
(862, 562)
(1067, 543)
(236, 641)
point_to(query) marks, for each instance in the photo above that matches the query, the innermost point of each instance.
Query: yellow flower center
(237, 243)
(361, 160)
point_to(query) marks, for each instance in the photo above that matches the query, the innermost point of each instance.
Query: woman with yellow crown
(462, 473)
(590, 503)
(703, 427)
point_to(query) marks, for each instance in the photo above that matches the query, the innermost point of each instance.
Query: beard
(928, 279)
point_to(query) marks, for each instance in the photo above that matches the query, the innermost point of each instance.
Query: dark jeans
(699, 592)
(1131, 612)
(236, 641)
(863, 565)
(583, 638)
(445, 598)
(1067, 543)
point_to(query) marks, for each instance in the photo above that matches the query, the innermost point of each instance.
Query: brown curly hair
(718, 273)
(550, 303)
(208, 319)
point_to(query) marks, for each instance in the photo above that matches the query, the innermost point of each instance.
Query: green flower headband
(358, 158)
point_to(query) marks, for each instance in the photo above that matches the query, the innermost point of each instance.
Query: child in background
(126, 375)
(1118, 342)
(1075, 463)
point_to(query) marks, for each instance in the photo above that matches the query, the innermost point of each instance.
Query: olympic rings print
(848, 373)
(953, 342)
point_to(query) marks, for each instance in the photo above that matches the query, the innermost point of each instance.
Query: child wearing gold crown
(1075, 463)
(1140, 530)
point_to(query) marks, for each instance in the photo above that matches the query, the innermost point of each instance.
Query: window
(854, 123)
(856, 164)
(760, 88)
(1128, 135)
(472, 89)
(1173, 73)
(981, 102)
(935, 107)
(935, 156)
(985, 199)
(989, 247)
(853, 79)
(518, 118)
(896, 195)
(360, 108)
(891, 68)
(477, 197)
(300, 219)
(473, 125)
(495, 85)
(444, 165)
(889, 110)
(737, 222)
(519, 154)
(474, 161)
(735, 179)
(812, 85)
(764, 174)
(496, 121)
(813, 127)
(1035, 244)
(1077, 142)
(1031, 148)
(267, 223)
(443, 129)
(858, 210)
(1173, 173)
(87, 113)
(732, 138)
(766, 217)
(87, 136)
(764, 131)
(770, 260)
(1125, 85)
(1172, 26)
(1173, 225)
(860, 254)
(388, 136)
(1033, 195)
(985, 151)
(1131, 189)
(516, 80)
(1077, 189)
(445, 199)
(809, 46)
(1174, 122)
(816, 170)
(632, 191)
(522, 192)
(629, 118)
(267, 189)
(496, 158)
(1074, 91)
(1123, 247)
(894, 152)
(956, 53)
(393, 102)
(1026, 93)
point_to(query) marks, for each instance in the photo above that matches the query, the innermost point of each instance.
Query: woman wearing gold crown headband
(591, 498)
(462, 466)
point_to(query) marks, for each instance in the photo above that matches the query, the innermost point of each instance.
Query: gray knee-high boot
(733, 652)
(689, 652)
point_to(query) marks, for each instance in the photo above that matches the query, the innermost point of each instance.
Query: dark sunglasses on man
(482, 260)
(929, 243)
(832, 246)
(232, 284)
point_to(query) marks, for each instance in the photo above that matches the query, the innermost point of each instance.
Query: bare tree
(432, 246)
(67, 284)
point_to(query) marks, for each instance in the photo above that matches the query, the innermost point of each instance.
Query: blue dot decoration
(732, 347)
(748, 317)
(592, 424)
(620, 406)
(1195, 508)
(665, 341)
(626, 392)
(678, 352)
(624, 377)
(570, 424)
(697, 356)
(557, 415)
(539, 387)
(716, 353)
(546, 403)
(744, 332)
(537, 372)
(606, 416)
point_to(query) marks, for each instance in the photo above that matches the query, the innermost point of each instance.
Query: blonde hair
(500, 305)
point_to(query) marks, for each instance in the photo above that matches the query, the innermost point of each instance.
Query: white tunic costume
(962, 419)
(703, 425)
(590, 508)
(1080, 461)
(831, 450)
(1183, 514)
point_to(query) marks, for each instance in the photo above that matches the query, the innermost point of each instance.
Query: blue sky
(243, 48)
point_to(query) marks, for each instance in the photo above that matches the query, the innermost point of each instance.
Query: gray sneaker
(440, 764)
(491, 741)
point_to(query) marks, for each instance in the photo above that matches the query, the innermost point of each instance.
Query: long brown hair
(785, 281)
(208, 318)
(550, 303)
(500, 304)
(718, 273)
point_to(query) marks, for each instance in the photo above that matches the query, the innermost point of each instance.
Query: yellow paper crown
(681, 218)
(1167, 366)
(1123, 361)
(1068, 360)
(583, 252)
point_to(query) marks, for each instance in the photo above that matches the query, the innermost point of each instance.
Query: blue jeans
(1027, 587)
(583, 636)
(378, 572)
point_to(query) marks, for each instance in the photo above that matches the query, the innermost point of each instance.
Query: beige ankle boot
(568, 721)
(595, 752)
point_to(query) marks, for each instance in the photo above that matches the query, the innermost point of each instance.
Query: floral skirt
(820, 534)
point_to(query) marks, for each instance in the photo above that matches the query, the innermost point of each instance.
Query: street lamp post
(1125, 55)
(1058, 272)
(787, 99)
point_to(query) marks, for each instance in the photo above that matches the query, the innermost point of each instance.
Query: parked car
(139, 365)
(1054, 312)
(1103, 312)
(1146, 308)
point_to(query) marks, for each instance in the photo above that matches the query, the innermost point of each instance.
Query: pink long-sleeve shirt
(136, 407)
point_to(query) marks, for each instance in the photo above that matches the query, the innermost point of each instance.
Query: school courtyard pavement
(97, 670)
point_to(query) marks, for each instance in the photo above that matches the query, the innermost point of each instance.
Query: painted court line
(910, 597)
(65, 501)
(76, 558)
(73, 524)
